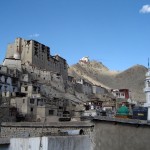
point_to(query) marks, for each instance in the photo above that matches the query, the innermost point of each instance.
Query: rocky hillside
(96, 73)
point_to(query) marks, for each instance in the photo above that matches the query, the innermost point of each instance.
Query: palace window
(31, 101)
(122, 94)
(148, 83)
(31, 109)
(51, 112)
(26, 88)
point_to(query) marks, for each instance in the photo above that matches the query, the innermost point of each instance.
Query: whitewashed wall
(52, 143)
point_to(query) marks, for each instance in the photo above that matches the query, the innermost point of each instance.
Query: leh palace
(35, 86)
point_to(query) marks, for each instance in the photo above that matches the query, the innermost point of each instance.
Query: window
(5, 88)
(148, 83)
(6, 80)
(31, 101)
(31, 109)
(34, 88)
(60, 107)
(39, 102)
(14, 89)
(122, 94)
(23, 100)
(51, 112)
(26, 88)
(38, 89)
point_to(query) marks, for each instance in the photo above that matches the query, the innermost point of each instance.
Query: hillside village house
(83, 87)
(121, 93)
(123, 96)
(9, 84)
(96, 89)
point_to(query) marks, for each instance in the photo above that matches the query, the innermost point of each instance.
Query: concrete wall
(52, 143)
(109, 136)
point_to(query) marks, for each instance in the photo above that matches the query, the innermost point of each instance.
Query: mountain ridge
(98, 74)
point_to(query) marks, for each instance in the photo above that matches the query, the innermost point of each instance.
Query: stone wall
(35, 129)
(107, 135)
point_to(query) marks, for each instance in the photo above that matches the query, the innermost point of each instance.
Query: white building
(121, 93)
(77, 142)
(147, 92)
(84, 60)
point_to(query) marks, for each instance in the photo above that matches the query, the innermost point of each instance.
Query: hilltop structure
(84, 60)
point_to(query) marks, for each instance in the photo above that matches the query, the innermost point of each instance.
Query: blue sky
(115, 32)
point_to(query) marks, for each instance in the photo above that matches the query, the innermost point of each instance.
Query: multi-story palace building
(38, 55)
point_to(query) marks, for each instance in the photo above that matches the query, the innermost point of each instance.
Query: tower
(147, 92)
(17, 54)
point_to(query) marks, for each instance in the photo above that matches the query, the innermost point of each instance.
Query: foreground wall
(110, 136)
(36, 129)
(107, 136)
(52, 143)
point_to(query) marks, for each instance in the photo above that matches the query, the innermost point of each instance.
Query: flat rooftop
(51, 124)
(121, 120)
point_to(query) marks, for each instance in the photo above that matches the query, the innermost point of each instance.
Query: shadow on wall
(109, 136)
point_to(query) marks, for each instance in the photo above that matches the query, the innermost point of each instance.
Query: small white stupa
(147, 92)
